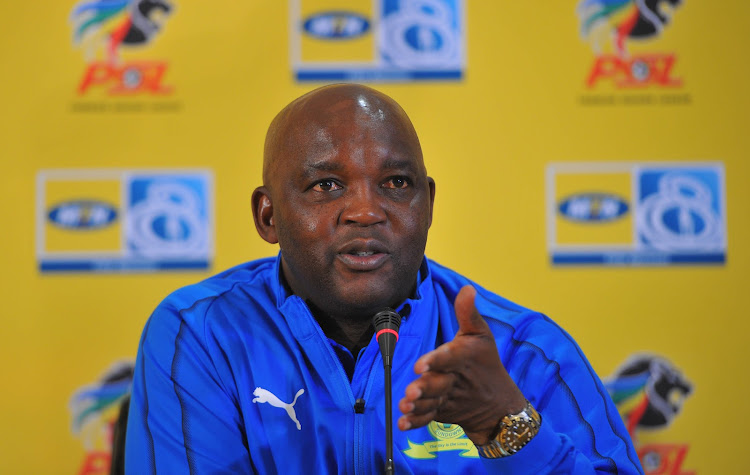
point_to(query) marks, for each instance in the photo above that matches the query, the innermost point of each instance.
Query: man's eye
(397, 182)
(326, 185)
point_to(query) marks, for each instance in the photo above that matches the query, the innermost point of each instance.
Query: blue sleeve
(582, 431)
(184, 415)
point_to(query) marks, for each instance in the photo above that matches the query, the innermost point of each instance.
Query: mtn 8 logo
(167, 219)
(680, 211)
(420, 34)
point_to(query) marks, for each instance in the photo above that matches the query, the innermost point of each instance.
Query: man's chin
(362, 304)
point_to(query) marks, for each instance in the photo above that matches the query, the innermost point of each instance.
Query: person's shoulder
(489, 303)
(258, 273)
(210, 302)
(192, 313)
(516, 328)
(524, 323)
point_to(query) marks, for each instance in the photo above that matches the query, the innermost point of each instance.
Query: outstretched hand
(462, 381)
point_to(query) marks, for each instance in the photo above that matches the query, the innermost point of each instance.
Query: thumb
(469, 320)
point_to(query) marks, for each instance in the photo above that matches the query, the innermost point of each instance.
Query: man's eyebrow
(322, 165)
(311, 169)
(399, 163)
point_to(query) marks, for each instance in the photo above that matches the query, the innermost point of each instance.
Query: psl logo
(103, 27)
(94, 409)
(610, 25)
(649, 392)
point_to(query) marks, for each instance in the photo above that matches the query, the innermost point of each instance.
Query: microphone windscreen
(386, 324)
(386, 319)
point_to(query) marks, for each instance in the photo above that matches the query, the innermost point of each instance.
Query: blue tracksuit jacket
(234, 375)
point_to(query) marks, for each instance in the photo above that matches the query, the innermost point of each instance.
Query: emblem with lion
(649, 392)
(116, 23)
(622, 20)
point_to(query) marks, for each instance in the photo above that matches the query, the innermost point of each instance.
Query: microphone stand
(387, 323)
(388, 421)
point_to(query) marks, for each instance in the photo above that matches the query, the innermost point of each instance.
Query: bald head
(304, 127)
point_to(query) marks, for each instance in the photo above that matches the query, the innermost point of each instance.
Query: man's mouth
(363, 256)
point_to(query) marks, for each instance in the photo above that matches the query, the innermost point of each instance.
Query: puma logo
(264, 395)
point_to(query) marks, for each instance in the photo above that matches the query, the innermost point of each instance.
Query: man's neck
(353, 334)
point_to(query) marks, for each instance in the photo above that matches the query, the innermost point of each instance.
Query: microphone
(386, 324)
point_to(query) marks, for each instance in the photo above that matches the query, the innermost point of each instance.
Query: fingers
(418, 412)
(413, 421)
(445, 358)
(420, 406)
(430, 386)
(423, 399)
(469, 320)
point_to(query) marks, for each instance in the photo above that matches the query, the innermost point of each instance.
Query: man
(271, 366)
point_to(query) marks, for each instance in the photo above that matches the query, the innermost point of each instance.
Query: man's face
(352, 205)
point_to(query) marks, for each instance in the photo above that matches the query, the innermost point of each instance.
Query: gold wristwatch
(512, 433)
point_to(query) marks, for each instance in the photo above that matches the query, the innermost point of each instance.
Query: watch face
(514, 436)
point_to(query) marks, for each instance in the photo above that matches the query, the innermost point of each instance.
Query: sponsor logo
(131, 220)
(446, 437)
(679, 210)
(94, 410)
(593, 207)
(649, 392)
(102, 28)
(166, 217)
(336, 25)
(82, 214)
(414, 40)
(641, 213)
(634, 72)
(610, 25)
(266, 396)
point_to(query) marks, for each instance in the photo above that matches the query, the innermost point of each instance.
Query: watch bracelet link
(500, 444)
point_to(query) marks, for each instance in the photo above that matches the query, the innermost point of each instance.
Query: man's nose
(364, 207)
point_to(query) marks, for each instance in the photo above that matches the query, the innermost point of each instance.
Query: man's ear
(431, 184)
(263, 215)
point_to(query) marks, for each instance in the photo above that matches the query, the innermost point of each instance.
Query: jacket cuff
(534, 456)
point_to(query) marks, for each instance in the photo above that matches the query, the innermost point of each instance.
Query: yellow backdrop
(208, 85)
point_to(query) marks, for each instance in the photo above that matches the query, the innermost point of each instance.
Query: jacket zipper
(359, 422)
